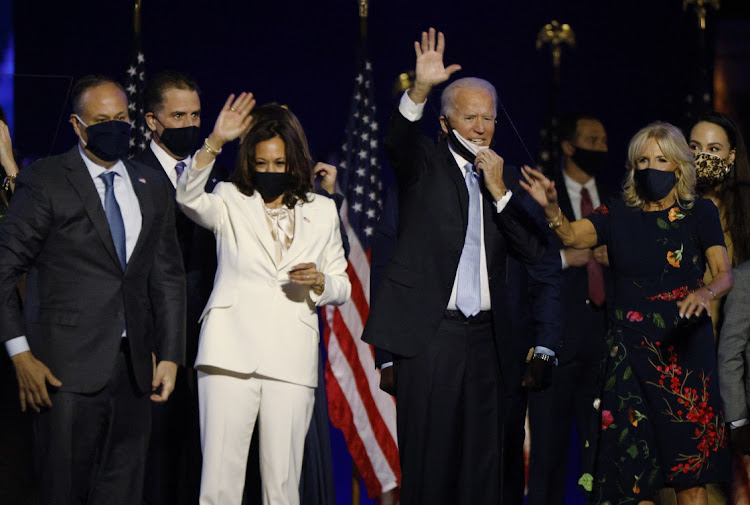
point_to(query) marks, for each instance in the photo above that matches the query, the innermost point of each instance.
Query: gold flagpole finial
(556, 34)
(364, 6)
(701, 8)
(137, 17)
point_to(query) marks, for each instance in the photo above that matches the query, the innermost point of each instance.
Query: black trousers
(91, 448)
(458, 431)
(173, 464)
(569, 397)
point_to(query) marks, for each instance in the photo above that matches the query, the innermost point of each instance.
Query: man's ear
(444, 124)
(76, 124)
(567, 148)
(150, 121)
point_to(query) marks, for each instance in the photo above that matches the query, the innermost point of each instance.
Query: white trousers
(229, 407)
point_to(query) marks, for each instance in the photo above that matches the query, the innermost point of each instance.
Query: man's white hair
(448, 97)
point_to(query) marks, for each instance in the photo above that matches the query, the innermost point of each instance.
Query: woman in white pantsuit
(279, 257)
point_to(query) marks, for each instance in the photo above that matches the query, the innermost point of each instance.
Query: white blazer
(257, 320)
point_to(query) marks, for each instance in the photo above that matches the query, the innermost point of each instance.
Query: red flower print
(634, 317)
(607, 419)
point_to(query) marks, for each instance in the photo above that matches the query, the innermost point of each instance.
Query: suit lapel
(146, 203)
(456, 176)
(80, 179)
(256, 216)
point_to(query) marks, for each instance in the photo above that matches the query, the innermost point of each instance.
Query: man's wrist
(419, 92)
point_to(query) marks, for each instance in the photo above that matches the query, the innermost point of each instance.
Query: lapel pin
(142, 180)
(304, 218)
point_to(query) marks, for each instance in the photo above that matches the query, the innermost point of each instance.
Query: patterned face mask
(711, 170)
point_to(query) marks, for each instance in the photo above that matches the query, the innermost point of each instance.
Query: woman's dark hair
(270, 121)
(734, 193)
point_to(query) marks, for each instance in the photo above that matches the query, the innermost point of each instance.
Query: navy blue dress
(659, 419)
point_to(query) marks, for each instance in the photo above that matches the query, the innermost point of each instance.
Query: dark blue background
(633, 63)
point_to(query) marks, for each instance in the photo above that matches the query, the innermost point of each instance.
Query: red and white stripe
(356, 405)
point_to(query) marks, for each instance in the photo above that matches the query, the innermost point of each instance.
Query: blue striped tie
(179, 168)
(114, 217)
(468, 290)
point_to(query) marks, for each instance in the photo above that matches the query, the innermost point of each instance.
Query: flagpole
(137, 17)
(363, 8)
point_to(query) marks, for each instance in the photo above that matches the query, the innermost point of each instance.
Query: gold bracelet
(210, 149)
(9, 179)
(710, 291)
(557, 221)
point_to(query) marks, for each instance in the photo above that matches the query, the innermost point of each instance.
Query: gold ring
(232, 109)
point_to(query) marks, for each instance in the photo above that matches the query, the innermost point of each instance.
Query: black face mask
(591, 162)
(180, 141)
(654, 185)
(109, 140)
(271, 185)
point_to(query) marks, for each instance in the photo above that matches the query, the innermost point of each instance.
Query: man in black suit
(173, 115)
(95, 235)
(443, 307)
(551, 412)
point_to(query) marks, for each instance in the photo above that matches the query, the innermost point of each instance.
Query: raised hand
(430, 69)
(327, 174)
(233, 119)
(541, 189)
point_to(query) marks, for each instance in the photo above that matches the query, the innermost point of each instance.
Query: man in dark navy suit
(444, 307)
(104, 294)
(551, 412)
(173, 114)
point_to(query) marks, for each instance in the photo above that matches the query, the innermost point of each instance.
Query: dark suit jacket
(77, 297)
(408, 308)
(585, 325)
(198, 247)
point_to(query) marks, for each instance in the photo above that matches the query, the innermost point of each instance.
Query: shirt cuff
(739, 423)
(540, 349)
(410, 110)
(500, 204)
(191, 165)
(563, 260)
(17, 346)
(386, 365)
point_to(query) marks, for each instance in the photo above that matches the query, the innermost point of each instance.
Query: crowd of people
(160, 311)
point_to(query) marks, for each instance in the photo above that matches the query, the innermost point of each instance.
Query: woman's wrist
(320, 283)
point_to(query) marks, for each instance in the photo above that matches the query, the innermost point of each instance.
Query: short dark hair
(569, 125)
(160, 83)
(273, 121)
(84, 84)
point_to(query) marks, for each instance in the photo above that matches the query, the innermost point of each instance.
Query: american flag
(140, 135)
(365, 414)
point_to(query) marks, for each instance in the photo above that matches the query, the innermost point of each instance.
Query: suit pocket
(220, 298)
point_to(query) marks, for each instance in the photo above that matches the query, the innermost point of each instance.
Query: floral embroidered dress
(659, 415)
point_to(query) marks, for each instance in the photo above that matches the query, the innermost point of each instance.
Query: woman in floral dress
(659, 416)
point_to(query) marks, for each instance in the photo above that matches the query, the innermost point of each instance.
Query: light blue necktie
(468, 290)
(114, 217)
(179, 168)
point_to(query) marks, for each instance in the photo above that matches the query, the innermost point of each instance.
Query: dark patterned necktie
(179, 168)
(593, 268)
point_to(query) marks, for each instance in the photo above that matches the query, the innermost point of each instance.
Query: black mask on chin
(271, 185)
(591, 162)
(180, 141)
(456, 144)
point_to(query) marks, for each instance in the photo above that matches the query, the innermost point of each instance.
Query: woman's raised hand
(541, 189)
(233, 119)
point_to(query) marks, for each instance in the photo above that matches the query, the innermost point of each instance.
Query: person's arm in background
(7, 159)
(733, 342)
(327, 174)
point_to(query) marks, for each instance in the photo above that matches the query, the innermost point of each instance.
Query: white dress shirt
(131, 216)
(167, 162)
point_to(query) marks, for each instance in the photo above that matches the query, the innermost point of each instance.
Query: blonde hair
(675, 149)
